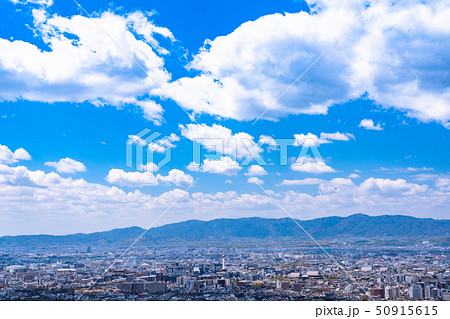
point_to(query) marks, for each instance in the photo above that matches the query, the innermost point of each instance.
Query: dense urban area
(226, 272)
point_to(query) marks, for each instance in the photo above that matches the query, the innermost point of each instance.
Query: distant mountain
(253, 229)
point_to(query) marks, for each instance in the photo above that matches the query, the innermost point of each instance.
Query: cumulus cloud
(149, 167)
(35, 198)
(45, 3)
(67, 165)
(425, 177)
(176, 177)
(225, 166)
(255, 180)
(415, 169)
(122, 178)
(158, 146)
(9, 157)
(21, 176)
(256, 170)
(389, 56)
(392, 187)
(221, 140)
(139, 179)
(443, 184)
(370, 125)
(405, 170)
(311, 165)
(338, 136)
(82, 63)
(336, 185)
(246, 71)
(310, 139)
(39, 202)
(306, 181)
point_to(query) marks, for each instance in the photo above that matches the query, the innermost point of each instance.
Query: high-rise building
(427, 292)
(376, 292)
(395, 292)
(156, 287)
(392, 293)
(416, 292)
(223, 261)
(434, 293)
(388, 293)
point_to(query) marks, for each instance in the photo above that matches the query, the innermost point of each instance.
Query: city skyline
(292, 272)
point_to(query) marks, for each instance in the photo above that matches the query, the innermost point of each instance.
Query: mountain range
(254, 229)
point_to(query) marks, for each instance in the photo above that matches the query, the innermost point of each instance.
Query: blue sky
(73, 90)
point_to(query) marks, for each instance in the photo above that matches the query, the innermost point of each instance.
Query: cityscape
(289, 152)
(267, 271)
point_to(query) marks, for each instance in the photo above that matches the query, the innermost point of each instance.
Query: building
(416, 292)
(377, 292)
(156, 287)
(391, 293)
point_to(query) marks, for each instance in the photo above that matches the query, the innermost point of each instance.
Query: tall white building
(388, 292)
(223, 261)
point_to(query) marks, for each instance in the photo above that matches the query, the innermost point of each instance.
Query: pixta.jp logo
(143, 146)
(141, 149)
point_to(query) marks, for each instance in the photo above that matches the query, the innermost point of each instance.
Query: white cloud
(415, 169)
(269, 141)
(405, 170)
(176, 177)
(425, 177)
(82, 63)
(390, 55)
(194, 167)
(247, 70)
(353, 176)
(370, 125)
(52, 204)
(149, 167)
(67, 165)
(255, 180)
(21, 176)
(133, 179)
(45, 3)
(311, 165)
(308, 140)
(36, 202)
(9, 157)
(443, 184)
(306, 181)
(338, 136)
(336, 185)
(256, 170)
(392, 187)
(225, 165)
(217, 138)
(139, 179)
(158, 146)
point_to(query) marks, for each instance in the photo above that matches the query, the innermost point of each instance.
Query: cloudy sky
(329, 107)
